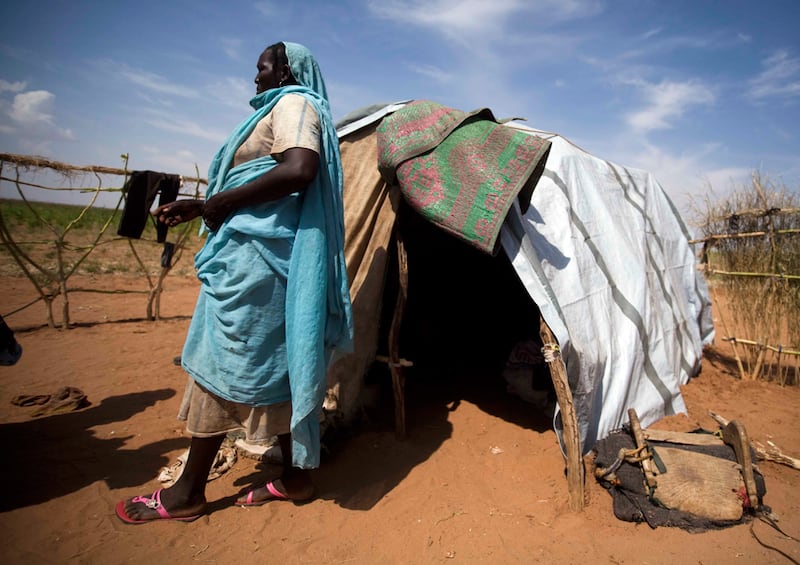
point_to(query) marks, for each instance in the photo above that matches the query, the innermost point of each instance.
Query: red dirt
(443, 495)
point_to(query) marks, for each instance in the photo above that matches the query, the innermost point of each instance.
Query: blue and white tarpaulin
(606, 257)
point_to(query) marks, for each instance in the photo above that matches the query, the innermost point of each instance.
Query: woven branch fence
(751, 257)
(48, 261)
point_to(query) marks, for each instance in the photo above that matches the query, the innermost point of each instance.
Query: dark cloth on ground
(66, 399)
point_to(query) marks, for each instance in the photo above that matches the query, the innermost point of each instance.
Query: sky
(702, 93)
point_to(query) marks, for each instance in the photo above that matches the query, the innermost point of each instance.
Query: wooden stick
(27, 161)
(572, 441)
(395, 367)
(682, 437)
(385, 359)
(735, 435)
(649, 475)
(772, 453)
(759, 360)
(758, 212)
(718, 419)
(722, 236)
(778, 349)
(711, 271)
(742, 372)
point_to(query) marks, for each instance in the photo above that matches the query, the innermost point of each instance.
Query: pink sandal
(276, 494)
(154, 503)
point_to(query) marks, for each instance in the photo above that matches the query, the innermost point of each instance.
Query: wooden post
(735, 435)
(650, 481)
(572, 441)
(395, 365)
(62, 283)
(762, 350)
(742, 372)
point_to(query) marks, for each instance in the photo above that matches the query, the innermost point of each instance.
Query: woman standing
(274, 298)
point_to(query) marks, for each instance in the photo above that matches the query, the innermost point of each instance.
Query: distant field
(37, 227)
(17, 213)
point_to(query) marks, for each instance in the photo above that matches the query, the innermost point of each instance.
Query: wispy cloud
(233, 92)
(32, 107)
(685, 176)
(650, 33)
(33, 111)
(452, 17)
(154, 82)
(480, 49)
(6, 86)
(232, 48)
(19, 54)
(655, 44)
(181, 161)
(779, 79)
(455, 18)
(432, 72)
(170, 122)
(29, 120)
(265, 8)
(667, 101)
(156, 90)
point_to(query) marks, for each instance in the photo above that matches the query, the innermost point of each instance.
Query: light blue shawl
(290, 251)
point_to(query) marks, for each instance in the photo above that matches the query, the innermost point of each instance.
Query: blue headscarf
(318, 310)
(305, 69)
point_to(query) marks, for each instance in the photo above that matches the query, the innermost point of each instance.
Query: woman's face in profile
(267, 77)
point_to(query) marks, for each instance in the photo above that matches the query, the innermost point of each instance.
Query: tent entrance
(465, 309)
(464, 312)
(461, 311)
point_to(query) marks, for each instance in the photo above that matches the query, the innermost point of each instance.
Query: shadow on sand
(361, 466)
(56, 455)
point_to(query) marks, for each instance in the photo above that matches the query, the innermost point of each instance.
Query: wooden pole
(742, 372)
(395, 363)
(735, 435)
(771, 453)
(572, 441)
(762, 350)
(650, 481)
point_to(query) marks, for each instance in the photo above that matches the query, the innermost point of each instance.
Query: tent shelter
(599, 252)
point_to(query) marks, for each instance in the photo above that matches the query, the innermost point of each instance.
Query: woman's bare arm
(293, 174)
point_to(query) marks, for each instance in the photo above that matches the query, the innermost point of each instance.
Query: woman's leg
(293, 484)
(187, 497)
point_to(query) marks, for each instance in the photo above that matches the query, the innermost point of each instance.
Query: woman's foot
(297, 488)
(163, 504)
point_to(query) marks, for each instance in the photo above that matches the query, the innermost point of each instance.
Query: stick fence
(65, 255)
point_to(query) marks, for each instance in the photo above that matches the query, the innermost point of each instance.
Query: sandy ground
(480, 479)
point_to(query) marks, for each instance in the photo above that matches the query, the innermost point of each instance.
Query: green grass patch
(37, 227)
(33, 215)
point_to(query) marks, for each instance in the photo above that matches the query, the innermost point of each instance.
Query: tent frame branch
(576, 474)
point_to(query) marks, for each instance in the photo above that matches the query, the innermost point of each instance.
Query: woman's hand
(178, 212)
(216, 210)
